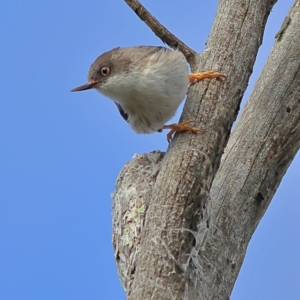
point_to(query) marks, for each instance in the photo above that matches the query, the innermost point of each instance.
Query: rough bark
(177, 235)
(261, 147)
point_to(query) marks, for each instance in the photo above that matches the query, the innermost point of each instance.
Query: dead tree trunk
(183, 219)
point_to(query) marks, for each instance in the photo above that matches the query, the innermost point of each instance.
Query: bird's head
(98, 74)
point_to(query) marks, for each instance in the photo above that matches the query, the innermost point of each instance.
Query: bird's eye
(105, 71)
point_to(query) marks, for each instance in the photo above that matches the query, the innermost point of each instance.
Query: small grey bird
(147, 84)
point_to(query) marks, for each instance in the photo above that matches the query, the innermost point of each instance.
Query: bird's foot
(195, 77)
(184, 126)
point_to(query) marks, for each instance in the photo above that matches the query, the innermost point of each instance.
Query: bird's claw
(184, 126)
(194, 77)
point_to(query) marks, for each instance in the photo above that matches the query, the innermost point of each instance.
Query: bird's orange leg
(184, 126)
(194, 77)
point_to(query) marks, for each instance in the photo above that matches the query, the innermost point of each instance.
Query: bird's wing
(122, 112)
(141, 52)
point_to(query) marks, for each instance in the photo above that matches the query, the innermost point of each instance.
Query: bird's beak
(86, 86)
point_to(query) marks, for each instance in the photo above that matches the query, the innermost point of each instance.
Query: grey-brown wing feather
(145, 51)
(122, 112)
(137, 53)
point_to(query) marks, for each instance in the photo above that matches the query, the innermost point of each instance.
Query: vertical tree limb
(177, 216)
(260, 149)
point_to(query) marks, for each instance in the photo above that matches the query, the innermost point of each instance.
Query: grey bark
(182, 221)
(161, 31)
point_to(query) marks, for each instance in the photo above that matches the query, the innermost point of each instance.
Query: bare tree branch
(161, 31)
(259, 151)
(168, 260)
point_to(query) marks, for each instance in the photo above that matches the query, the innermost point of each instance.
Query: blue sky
(61, 152)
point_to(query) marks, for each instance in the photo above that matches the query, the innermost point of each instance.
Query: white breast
(152, 95)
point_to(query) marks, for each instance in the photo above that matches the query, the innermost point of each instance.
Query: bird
(147, 84)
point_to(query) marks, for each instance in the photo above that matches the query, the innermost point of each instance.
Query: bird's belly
(152, 105)
(150, 114)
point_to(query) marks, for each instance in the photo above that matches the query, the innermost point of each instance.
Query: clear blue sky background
(61, 152)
